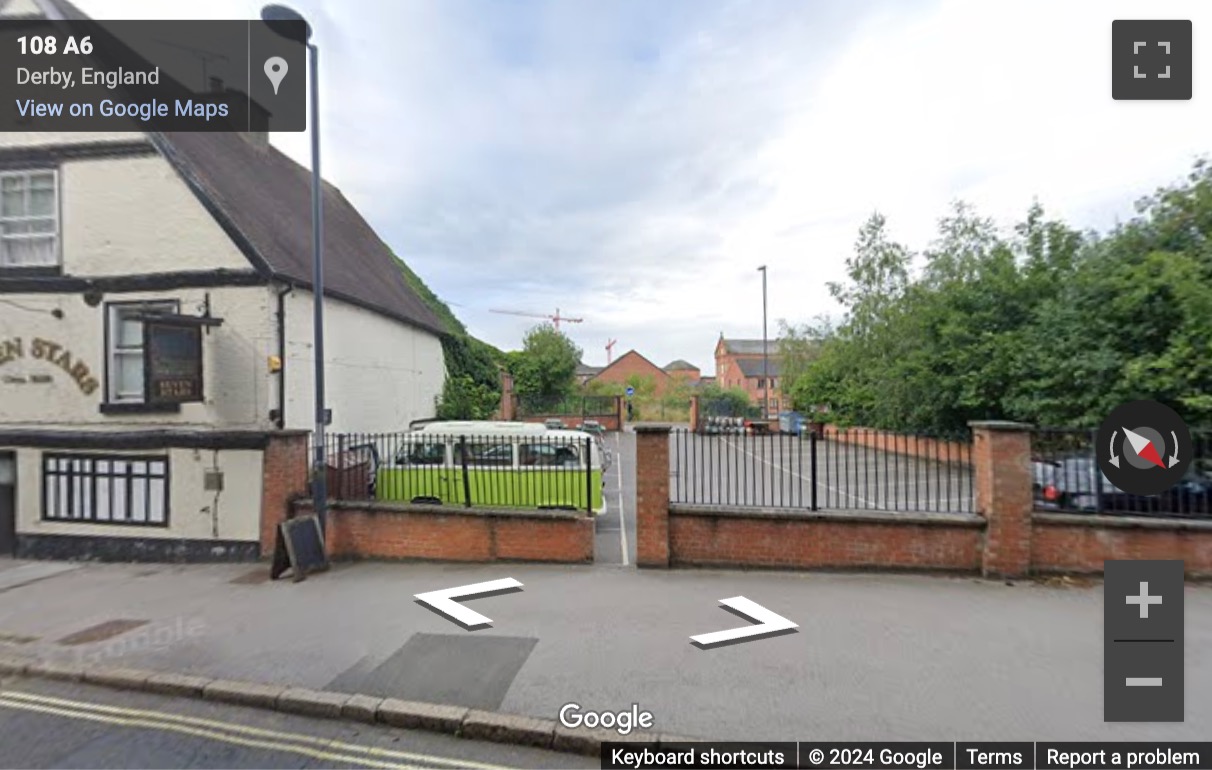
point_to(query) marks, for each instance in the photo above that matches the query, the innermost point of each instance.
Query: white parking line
(618, 453)
(790, 472)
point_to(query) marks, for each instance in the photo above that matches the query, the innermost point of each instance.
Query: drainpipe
(282, 355)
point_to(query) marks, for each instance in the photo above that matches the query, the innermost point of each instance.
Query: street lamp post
(319, 480)
(765, 353)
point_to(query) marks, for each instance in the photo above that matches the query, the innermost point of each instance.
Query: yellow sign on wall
(54, 353)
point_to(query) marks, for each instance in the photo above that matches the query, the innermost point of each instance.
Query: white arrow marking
(1174, 455)
(769, 623)
(1114, 457)
(444, 601)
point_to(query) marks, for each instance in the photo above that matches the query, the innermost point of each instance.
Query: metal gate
(818, 470)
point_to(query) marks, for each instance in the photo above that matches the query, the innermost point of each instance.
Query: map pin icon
(275, 70)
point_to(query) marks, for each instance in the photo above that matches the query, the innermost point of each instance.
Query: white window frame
(55, 235)
(113, 351)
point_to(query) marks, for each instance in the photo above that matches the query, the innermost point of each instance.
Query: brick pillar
(1001, 459)
(507, 401)
(652, 495)
(284, 473)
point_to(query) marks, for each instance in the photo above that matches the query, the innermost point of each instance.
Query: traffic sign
(630, 391)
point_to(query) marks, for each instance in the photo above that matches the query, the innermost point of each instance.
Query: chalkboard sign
(300, 548)
(172, 360)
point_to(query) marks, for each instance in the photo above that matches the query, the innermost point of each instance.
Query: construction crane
(555, 319)
(610, 352)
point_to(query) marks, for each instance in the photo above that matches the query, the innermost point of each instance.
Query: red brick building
(632, 364)
(680, 369)
(740, 364)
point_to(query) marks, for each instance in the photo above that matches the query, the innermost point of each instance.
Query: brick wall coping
(374, 506)
(1120, 522)
(940, 518)
(652, 428)
(1008, 425)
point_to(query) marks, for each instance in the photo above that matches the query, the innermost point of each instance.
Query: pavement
(68, 724)
(875, 656)
(897, 657)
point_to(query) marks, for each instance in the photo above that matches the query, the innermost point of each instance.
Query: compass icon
(1144, 447)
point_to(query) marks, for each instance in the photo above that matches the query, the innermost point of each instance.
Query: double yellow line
(329, 751)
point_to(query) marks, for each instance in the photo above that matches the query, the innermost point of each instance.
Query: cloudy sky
(633, 162)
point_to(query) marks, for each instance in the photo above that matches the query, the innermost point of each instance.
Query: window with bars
(125, 348)
(29, 218)
(98, 489)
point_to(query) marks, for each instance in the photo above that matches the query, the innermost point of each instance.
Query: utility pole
(765, 353)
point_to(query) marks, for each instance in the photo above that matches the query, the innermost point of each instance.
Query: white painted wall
(380, 374)
(194, 513)
(239, 389)
(134, 215)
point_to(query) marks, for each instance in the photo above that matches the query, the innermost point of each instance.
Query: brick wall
(284, 472)
(1005, 538)
(367, 530)
(612, 422)
(1073, 543)
(912, 446)
(698, 537)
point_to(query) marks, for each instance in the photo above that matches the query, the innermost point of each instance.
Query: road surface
(61, 724)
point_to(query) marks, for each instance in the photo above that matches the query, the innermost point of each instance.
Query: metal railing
(850, 469)
(529, 471)
(1065, 477)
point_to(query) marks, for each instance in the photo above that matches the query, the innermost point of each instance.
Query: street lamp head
(273, 15)
(762, 269)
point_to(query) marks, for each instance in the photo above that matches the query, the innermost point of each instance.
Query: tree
(733, 402)
(465, 399)
(1041, 323)
(545, 368)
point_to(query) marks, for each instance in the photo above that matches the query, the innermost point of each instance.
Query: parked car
(594, 427)
(1077, 484)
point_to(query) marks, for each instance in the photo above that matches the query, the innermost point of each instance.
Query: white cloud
(634, 162)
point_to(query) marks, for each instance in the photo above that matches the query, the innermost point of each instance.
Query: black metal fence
(1066, 477)
(855, 469)
(532, 471)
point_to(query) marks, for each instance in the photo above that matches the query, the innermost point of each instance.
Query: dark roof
(749, 347)
(752, 367)
(680, 365)
(587, 370)
(262, 199)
